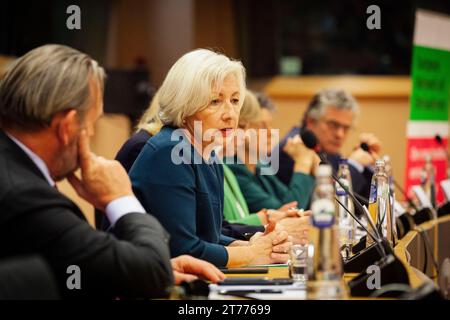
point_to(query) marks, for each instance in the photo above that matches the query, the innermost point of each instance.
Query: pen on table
(234, 292)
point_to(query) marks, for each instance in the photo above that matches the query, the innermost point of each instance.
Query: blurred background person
(180, 181)
(331, 115)
(266, 190)
(235, 206)
(149, 125)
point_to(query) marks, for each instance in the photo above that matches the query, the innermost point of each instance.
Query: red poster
(417, 148)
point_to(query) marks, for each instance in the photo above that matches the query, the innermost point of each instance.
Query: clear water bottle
(346, 222)
(324, 258)
(379, 203)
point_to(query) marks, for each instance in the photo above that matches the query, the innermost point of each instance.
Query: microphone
(438, 139)
(379, 253)
(310, 141)
(444, 209)
(374, 238)
(366, 148)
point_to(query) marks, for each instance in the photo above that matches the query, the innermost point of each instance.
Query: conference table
(416, 256)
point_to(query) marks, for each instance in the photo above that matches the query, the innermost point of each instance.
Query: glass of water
(297, 262)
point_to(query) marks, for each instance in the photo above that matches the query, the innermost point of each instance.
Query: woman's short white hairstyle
(190, 82)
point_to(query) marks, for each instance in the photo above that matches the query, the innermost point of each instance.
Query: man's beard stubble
(67, 161)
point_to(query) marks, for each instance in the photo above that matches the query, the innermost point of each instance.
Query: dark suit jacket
(360, 180)
(35, 218)
(27, 278)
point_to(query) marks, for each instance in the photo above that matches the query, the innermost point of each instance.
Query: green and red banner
(428, 126)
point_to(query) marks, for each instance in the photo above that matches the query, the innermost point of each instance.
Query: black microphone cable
(310, 141)
(374, 238)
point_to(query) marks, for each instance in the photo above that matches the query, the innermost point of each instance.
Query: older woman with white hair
(177, 176)
(261, 187)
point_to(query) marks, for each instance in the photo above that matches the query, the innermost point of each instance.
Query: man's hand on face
(102, 181)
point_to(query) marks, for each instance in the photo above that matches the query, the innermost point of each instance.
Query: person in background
(50, 99)
(266, 190)
(331, 115)
(130, 150)
(148, 126)
(235, 205)
(177, 176)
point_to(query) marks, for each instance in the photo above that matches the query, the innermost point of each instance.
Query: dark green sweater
(267, 191)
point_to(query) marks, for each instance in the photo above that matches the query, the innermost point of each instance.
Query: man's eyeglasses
(335, 126)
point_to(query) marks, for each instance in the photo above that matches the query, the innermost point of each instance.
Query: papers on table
(278, 265)
(295, 291)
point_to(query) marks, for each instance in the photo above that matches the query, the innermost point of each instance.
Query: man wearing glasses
(331, 115)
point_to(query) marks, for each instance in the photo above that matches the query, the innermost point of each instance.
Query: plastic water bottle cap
(324, 170)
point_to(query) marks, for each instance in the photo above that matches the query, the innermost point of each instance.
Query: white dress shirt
(115, 210)
(358, 166)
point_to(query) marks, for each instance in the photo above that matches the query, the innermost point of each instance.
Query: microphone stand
(374, 238)
(363, 210)
(379, 254)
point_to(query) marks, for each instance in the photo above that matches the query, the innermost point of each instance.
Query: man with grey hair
(50, 100)
(331, 115)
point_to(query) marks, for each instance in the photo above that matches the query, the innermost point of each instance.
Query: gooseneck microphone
(440, 142)
(379, 253)
(310, 141)
(365, 147)
(438, 139)
(444, 209)
(374, 238)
